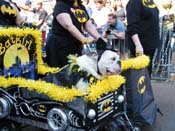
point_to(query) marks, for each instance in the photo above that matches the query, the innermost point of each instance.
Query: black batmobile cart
(30, 93)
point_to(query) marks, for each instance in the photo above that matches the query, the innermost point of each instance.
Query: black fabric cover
(141, 104)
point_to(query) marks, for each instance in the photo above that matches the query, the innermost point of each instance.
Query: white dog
(108, 63)
(94, 64)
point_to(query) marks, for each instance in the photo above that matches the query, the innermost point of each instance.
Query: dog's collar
(98, 70)
(75, 71)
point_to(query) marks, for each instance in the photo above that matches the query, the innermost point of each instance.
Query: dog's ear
(101, 44)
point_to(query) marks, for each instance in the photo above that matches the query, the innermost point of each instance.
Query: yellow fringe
(53, 91)
(108, 84)
(137, 63)
(63, 94)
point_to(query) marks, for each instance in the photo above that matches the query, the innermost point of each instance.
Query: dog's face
(109, 63)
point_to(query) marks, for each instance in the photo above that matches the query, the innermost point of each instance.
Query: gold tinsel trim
(63, 94)
(108, 84)
(41, 67)
(55, 92)
(139, 62)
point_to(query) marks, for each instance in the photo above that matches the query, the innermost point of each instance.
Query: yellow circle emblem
(149, 3)
(13, 52)
(141, 87)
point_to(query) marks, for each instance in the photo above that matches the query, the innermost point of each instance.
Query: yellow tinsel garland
(53, 91)
(63, 94)
(108, 84)
(139, 62)
(41, 67)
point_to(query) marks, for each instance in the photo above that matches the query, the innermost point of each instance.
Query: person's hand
(139, 50)
(113, 32)
(29, 25)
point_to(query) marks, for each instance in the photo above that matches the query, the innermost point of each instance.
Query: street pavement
(164, 93)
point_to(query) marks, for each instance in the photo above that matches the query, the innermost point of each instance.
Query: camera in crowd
(110, 28)
(108, 32)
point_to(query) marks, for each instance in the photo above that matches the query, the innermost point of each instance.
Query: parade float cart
(28, 97)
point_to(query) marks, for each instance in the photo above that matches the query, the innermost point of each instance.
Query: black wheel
(8, 126)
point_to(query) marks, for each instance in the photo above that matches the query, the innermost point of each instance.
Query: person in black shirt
(143, 28)
(9, 14)
(70, 20)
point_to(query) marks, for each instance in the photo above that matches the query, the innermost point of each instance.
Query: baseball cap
(28, 2)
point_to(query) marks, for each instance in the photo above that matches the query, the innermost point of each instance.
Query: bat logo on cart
(106, 105)
(141, 87)
(42, 108)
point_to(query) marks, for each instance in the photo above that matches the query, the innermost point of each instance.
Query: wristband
(84, 41)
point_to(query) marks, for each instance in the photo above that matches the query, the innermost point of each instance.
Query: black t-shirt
(78, 15)
(143, 19)
(7, 14)
(61, 42)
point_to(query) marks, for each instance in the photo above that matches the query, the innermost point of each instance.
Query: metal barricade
(118, 45)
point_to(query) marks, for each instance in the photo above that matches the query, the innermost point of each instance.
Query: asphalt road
(164, 93)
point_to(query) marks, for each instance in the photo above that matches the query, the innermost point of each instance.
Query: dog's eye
(113, 58)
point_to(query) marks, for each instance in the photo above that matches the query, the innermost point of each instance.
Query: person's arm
(42, 19)
(119, 35)
(24, 7)
(65, 20)
(104, 34)
(89, 27)
(138, 45)
(133, 18)
(19, 18)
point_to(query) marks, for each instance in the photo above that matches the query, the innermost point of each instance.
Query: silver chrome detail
(5, 107)
(91, 114)
(120, 98)
(57, 120)
(24, 108)
(73, 119)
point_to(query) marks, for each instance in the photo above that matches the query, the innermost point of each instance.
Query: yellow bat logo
(42, 108)
(148, 3)
(80, 15)
(106, 105)
(9, 10)
(141, 87)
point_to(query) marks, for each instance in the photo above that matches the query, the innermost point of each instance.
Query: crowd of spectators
(101, 13)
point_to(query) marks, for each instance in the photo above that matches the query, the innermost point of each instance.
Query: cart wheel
(112, 126)
(57, 120)
(8, 126)
(5, 107)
